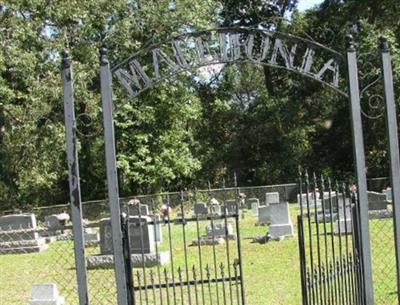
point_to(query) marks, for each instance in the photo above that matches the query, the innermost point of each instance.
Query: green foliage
(258, 122)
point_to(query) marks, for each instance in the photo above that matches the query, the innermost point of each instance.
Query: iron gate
(204, 266)
(260, 47)
(328, 232)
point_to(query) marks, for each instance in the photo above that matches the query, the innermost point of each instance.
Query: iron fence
(163, 284)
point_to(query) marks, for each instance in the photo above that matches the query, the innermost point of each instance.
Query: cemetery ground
(271, 270)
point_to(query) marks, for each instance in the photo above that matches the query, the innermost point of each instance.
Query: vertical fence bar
(391, 123)
(73, 177)
(359, 155)
(239, 247)
(112, 180)
(127, 258)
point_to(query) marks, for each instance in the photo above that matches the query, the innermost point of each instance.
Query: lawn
(271, 270)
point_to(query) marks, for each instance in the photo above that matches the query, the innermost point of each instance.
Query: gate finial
(384, 44)
(66, 59)
(350, 44)
(103, 56)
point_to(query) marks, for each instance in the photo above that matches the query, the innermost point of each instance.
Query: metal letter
(179, 54)
(391, 123)
(287, 56)
(74, 185)
(131, 80)
(264, 48)
(158, 57)
(332, 66)
(359, 155)
(112, 181)
(308, 61)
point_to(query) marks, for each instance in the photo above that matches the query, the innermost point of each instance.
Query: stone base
(59, 301)
(23, 246)
(50, 239)
(107, 261)
(343, 223)
(208, 241)
(90, 243)
(279, 231)
(92, 239)
(377, 205)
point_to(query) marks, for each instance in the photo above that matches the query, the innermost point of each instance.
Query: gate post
(73, 177)
(393, 146)
(359, 155)
(112, 180)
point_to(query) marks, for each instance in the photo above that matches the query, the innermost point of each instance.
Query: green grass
(271, 271)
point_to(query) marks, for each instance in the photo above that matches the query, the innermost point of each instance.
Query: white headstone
(271, 198)
(281, 223)
(46, 294)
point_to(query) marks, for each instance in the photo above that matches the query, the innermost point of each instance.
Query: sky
(306, 4)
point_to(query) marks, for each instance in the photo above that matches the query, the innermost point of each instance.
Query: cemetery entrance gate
(161, 62)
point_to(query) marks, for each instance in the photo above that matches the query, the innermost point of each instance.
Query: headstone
(137, 235)
(376, 201)
(18, 234)
(231, 207)
(271, 198)
(134, 210)
(311, 201)
(255, 206)
(264, 215)
(215, 209)
(388, 193)
(281, 223)
(250, 201)
(91, 237)
(344, 221)
(53, 224)
(142, 231)
(219, 231)
(200, 208)
(157, 228)
(46, 294)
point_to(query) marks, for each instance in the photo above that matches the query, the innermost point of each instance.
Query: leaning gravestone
(376, 201)
(142, 244)
(46, 294)
(271, 198)
(18, 234)
(281, 224)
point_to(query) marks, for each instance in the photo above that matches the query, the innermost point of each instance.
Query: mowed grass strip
(271, 270)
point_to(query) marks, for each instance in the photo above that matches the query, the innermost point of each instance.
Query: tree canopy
(259, 122)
